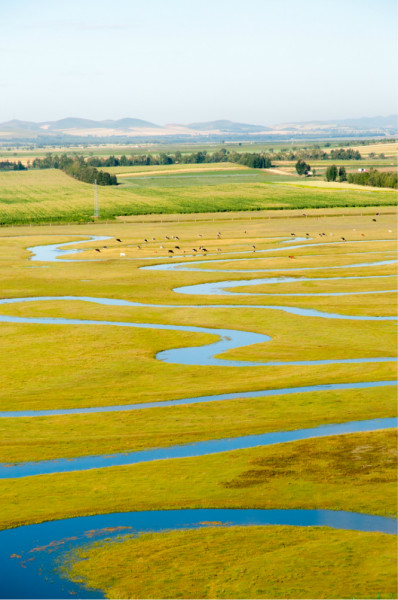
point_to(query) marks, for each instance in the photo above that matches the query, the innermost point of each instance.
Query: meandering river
(36, 547)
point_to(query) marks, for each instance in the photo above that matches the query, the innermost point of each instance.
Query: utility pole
(96, 207)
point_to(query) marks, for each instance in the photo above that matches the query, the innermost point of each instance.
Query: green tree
(342, 174)
(302, 167)
(331, 173)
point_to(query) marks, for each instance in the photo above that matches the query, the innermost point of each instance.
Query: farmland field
(213, 389)
(51, 196)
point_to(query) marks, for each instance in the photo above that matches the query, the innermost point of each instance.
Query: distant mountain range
(76, 128)
(227, 127)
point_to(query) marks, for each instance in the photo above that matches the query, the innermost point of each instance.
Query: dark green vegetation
(374, 178)
(253, 160)
(302, 167)
(331, 173)
(75, 167)
(334, 173)
(7, 165)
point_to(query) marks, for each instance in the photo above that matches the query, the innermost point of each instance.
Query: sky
(182, 61)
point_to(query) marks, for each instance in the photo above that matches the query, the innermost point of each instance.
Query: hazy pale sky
(168, 61)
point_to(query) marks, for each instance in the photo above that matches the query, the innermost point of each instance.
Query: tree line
(76, 167)
(375, 178)
(334, 173)
(254, 160)
(342, 154)
(314, 153)
(6, 165)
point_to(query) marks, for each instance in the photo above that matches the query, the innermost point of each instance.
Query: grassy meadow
(75, 366)
(241, 562)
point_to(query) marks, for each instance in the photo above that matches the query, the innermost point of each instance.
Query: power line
(96, 205)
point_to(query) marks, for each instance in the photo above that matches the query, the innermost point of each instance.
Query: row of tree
(334, 173)
(375, 178)
(75, 167)
(341, 154)
(314, 153)
(254, 160)
(6, 165)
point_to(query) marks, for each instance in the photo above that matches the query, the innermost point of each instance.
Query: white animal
(122, 254)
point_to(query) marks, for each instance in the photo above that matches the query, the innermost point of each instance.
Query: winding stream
(199, 399)
(36, 547)
(83, 463)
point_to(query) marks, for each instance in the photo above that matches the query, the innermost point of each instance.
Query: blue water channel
(83, 463)
(329, 387)
(205, 355)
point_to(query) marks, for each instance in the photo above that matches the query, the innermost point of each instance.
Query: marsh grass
(48, 366)
(241, 562)
(202, 482)
(39, 438)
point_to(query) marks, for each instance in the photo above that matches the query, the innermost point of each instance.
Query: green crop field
(51, 196)
(49, 366)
